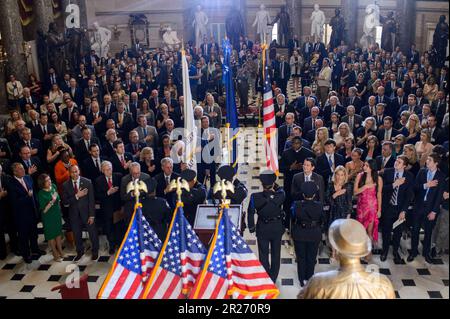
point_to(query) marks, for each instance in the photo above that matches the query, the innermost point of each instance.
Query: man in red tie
(121, 160)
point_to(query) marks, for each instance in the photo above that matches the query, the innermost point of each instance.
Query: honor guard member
(226, 172)
(194, 197)
(308, 217)
(269, 227)
(156, 210)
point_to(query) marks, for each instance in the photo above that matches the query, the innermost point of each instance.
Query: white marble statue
(170, 38)
(100, 40)
(199, 24)
(262, 21)
(317, 21)
(371, 22)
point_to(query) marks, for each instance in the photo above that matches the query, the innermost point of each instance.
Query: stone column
(406, 9)
(12, 39)
(43, 14)
(294, 8)
(350, 11)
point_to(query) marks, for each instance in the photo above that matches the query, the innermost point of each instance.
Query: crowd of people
(370, 128)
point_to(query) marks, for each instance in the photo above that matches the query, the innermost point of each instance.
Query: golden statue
(179, 184)
(136, 187)
(223, 186)
(351, 280)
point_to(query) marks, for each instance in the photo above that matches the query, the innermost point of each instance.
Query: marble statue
(170, 38)
(262, 21)
(440, 41)
(317, 21)
(337, 24)
(284, 27)
(351, 280)
(388, 32)
(100, 40)
(371, 22)
(234, 25)
(200, 22)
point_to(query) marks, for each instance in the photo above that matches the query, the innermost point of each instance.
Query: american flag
(134, 261)
(270, 128)
(179, 262)
(231, 269)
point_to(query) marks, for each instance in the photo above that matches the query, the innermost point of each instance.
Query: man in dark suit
(83, 145)
(413, 55)
(428, 196)
(354, 100)
(291, 163)
(91, 166)
(33, 143)
(127, 198)
(411, 107)
(134, 147)
(32, 164)
(27, 99)
(303, 106)
(282, 74)
(108, 106)
(398, 101)
(293, 44)
(438, 135)
(386, 159)
(67, 113)
(285, 131)
(120, 160)
(97, 119)
(44, 132)
(387, 133)
(398, 191)
(370, 109)
(50, 79)
(307, 49)
(353, 120)
(328, 161)
(392, 86)
(6, 218)
(307, 175)
(107, 192)
(76, 93)
(163, 180)
(310, 122)
(78, 194)
(332, 107)
(123, 120)
(281, 108)
(25, 212)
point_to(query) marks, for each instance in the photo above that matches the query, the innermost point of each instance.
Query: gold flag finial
(178, 185)
(223, 186)
(137, 187)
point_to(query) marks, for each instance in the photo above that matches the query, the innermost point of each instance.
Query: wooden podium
(207, 216)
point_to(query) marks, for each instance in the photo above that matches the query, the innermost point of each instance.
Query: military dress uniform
(269, 227)
(156, 211)
(308, 217)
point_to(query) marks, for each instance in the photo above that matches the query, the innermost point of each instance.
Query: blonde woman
(321, 136)
(412, 129)
(318, 149)
(413, 166)
(341, 135)
(147, 161)
(55, 95)
(424, 146)
(339, 197)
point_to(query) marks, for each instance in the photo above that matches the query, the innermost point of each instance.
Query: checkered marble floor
(416, 280)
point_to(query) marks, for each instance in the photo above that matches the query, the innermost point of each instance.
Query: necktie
(372, 110)
(282, 70)
(330, 161)
(350, 123)
(167, 180)
(135, 148)
(75, 187)
(386, 135)
(429, 178)
(87, 144)
(120, 118)
(122, 161)
(289, 130)
(313, 124)
(45, 130)
(28, 163)
(145, 131)
(384, 162)
(28, 144)
(333, 109)
(395, 192)
(24, 184)
(97, 163)
(110, 184)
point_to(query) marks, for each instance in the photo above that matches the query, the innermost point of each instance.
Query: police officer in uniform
(226, 172)
(194, 197)
(156, 210)
(308, 217)
(269, 227)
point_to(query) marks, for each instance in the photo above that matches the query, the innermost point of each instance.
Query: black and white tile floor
(416, 280)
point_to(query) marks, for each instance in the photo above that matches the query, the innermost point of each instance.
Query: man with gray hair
(353, 120)
(163, 180)
(107, 193)
(128, 198)
(353, 99)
